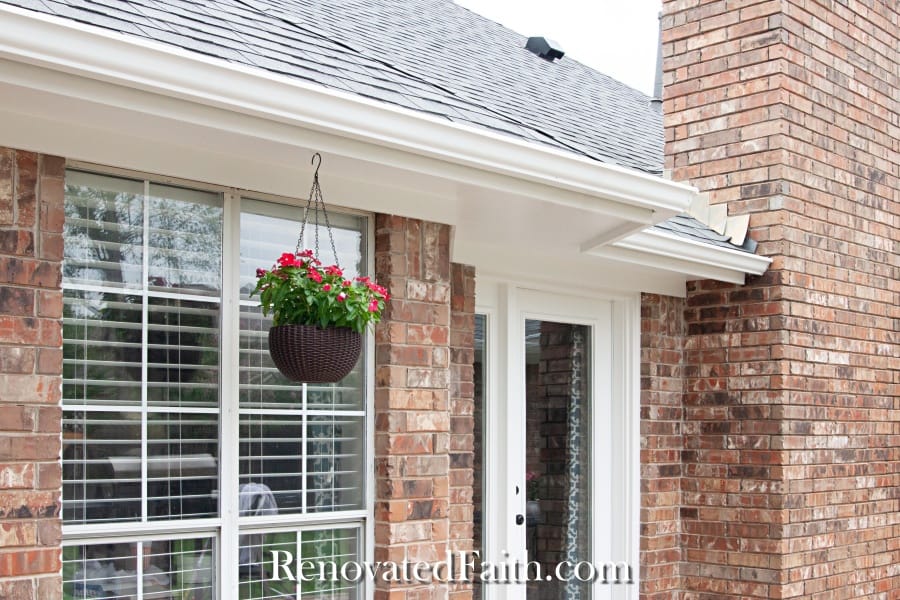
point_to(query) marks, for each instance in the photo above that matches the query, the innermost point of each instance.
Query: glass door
(557, 456)
(549, 453)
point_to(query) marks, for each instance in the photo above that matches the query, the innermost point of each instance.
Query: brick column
(462, 421)
(416, 401)
(788, 111)
(662, 384)
(31, 221)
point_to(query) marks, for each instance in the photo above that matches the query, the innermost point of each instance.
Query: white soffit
(96, 96)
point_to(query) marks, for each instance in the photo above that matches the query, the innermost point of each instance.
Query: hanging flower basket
(318, 315)
(314, 355)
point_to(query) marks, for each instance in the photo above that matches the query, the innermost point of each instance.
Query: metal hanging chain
(315, 201)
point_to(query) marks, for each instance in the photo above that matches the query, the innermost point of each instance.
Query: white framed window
(187, 458)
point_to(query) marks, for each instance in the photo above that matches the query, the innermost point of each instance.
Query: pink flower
(306, 254)
(333, 270)
(347, 283)
(341, 297)
(373, 305)
(261, 272)
(326, 287)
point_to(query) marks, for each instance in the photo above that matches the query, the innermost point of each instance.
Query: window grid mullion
(145, 326)
(229, 419)
(303, 428)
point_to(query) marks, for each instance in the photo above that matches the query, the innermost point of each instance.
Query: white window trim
(228, 523)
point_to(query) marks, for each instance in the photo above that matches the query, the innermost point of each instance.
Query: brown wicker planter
(312, 355)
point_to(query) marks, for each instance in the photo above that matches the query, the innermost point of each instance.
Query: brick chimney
(787, 110)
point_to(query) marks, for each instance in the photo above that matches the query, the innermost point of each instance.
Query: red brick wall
(31, 220)
(662, 354)
(423, 403)
(787, 110)
(462, 421)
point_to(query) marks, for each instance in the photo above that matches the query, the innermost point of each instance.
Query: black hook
(313, 162)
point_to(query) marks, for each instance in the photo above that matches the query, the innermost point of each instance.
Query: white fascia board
(90, 52)
(670, 252)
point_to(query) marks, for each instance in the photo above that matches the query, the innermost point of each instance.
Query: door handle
(520, 519)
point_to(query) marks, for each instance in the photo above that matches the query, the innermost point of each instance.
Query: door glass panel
(478, 486)
(557, 450)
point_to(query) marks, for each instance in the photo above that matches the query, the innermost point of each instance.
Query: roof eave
(87, 51)
(693, 258)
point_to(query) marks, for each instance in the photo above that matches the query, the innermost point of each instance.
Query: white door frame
(615, 422)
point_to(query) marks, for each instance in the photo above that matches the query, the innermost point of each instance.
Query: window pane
(101, 349)
(182, 353)
(182, 465)
(272, 455)
(262, 386)
(130, 350)
(182, 568)
(327, 549)
(101, 466)
(332, 548)
(103, 230)
(268, 230)
(303, 443)
(185, 249)
(334, 463)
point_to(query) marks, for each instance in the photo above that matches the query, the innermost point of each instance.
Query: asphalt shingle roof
(431, 56)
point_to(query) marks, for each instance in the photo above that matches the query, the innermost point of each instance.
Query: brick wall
(423, 403)
(662, 353)
(788, 111)
(462, 421)
(31, 220)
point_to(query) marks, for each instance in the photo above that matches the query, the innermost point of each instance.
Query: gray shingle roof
(426, 55)
(689, 227)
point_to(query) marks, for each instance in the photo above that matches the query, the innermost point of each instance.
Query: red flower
(314, 275)
(261, 272)
(326, 287)
(373, 305)
(341, 297)
(377, 289)
(287, 260)
(347, 283)
(306, 254)
(333, 270)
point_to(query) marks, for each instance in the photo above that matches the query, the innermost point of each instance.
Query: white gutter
(666, 251)
(128, 61)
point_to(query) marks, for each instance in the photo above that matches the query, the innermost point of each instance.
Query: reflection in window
(304, 443)
(127, 349)
(142, 397)
(168, 568)
(478, 486)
